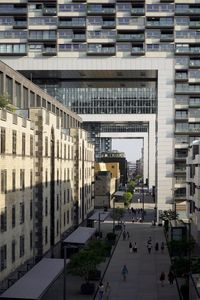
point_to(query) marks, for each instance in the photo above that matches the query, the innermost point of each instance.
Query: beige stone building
(46, 173)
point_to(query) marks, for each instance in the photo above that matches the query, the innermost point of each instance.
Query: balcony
(100, 10)
(194, 102)
(194, 63)
(41, 37)
(137, 51)
(108, 24)
(166, 37)
(159, 24)
(130, 37)
(194, 24)
(72, 24)
(180, 170)
(181, 76)
(137, 11)
(49, 51)
(187, 89)
(49, 11)
(20, 24)
(78, 37)
(179, 117)
(9, 9)
(182, 11)
(100, 50)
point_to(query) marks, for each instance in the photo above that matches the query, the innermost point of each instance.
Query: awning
(119, 194)
(36, 282)
(80, 236)
(99, 215)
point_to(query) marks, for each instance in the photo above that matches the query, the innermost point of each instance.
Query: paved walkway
(143, 269)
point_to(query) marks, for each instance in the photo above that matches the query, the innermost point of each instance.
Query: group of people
(104, 291)
(149, 246)
(170, 277)
(133, 247)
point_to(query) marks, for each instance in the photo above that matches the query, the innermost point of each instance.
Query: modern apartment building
(41, 153)
(131, 69)
(193, 184)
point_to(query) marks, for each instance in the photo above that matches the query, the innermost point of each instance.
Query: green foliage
(127, 198)
(181, 266)
(169, 215)
(111, 236)
(86, 260)
(5, 103)
(117, 214)
(181, 248)
(130, 186)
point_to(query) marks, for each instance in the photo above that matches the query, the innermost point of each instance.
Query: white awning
(102, 215)
(119, 194)
(80, 236)
(36, 282)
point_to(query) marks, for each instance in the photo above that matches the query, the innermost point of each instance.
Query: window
(46, 206)
(31, 145)
(3, 257)
(68, 217)
(13, 180)
(57, 149)
(64, 219)
(46, 146)
(57, 176)
(3, 181)
(57, 202)
(31, 179)
(18, 88)
(4, 219)
(64, 197)
(31, 209)
(31, 240)
(3, 141)
(65, 152)
(21, 212)
(46, 178)
(21, 246)
(68, 195)
(13, 216)
(57, 227)
(46, 235)
(22, 179)
(23, 144)
(14, 142)
(13, 251)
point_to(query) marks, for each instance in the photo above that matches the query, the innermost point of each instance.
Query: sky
(131, 147)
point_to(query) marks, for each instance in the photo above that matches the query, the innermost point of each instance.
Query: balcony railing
(103, 50)
(108, 24)
(49, 11)
(101, 10)
(130, 37)
(72, 24)
(137, 11)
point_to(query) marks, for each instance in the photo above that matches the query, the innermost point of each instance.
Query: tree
(168, 215)
(127, 198)
(117, 214)
(86, 260)
(131, 185)
(5, 103)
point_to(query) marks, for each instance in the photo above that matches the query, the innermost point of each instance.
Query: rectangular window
(25, 96)
(57, 149)
(13, 251)
(13, 180)
(31, 145)
(46, 206)
(31, 209)
(46, 146)
(3, 141)
(22, 179)
(64, 219)
(65, 152)
(68, 217)
(57, 176)
(31, 240)
(31, 179)
(46, 235)
(21, 212)
(3, 181)
(23, 144)
(4, 219)
(3, 257)
(14, 142)
(9, 86)
(18, 94)
(57, 202)
(57, 227)
(21, 246)
(13, 216)
(64, 197)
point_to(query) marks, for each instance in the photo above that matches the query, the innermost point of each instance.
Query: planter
(87, 288)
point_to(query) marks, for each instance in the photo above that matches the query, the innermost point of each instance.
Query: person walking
(156, 247)
(101, 291)
(149, 247)
(124, 272)
(162, 247)
(162, 278)
(130, 247)
(107, 291)
(171, 277)
(127, 235)
(124, 235)
(135, 247)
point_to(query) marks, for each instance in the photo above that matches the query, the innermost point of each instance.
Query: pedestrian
(127, 235)
(133, 219)
(124, 272)
(107, 291)
(135, 247)
(171, 277)
(162, 278)
(130, 247)
(124, 235)
(149, 239)
(156, 246)
(132, 210)
(124, 226)
(149, 247)
(162, 247)
(101, 291)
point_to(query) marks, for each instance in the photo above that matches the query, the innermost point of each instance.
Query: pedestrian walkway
(143, 268)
